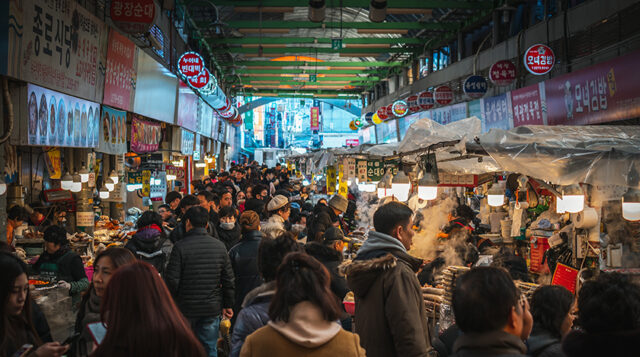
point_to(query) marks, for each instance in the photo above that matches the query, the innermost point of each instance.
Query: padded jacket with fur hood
(390, 314)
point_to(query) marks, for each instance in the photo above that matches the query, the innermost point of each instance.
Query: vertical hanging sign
(331, 180)
(315, 118)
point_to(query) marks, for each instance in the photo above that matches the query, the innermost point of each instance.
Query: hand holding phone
(98, 331)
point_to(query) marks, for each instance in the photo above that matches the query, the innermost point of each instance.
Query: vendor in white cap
(325, 217)
(279, 210)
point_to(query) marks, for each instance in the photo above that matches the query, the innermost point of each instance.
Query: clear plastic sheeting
(466, 166)
(426, 132)
(602, 156)
(382, 150)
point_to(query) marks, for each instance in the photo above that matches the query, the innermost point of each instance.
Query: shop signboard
(200, 81)
(391, 165)
(134, 178)
(443, 95)
(113, 131)
(187, 141)
(145, 135)
(382, 113)
(351, 168)
(59, 45)
(361, 170)
(502, 73)
(386, 132)
(331, 180)
(315, 118)
(120, 76)
(352, 142)
(412, 102)
(475, 87)
(539, 59)
(187, 107)
(190, 64)
(605, 92)
(425, 100)
(133, 16)
(441, 115)
(496, 113)
(458, 112)
(178, 172)
(155, 81)
(375, 170)
(368, 135)
(57, 119)
(405, 123)
(400, 108)
(159, 186)
(527, 105)
(205, 118)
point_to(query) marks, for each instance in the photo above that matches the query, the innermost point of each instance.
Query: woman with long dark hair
(104, 266)
(141, 317)
(16, 327)
(552, 309)
(303, 316)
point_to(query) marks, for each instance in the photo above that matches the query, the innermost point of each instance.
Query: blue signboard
(475, 109)
(475, 87)
(496, 113)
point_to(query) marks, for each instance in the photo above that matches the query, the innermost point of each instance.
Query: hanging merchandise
(539, 59)
(475, 87)
(412, 102)
(382, 113)
(190, 64)
(369, 117)
(376, 119)
(425, 100)
(133, 16)
(502, 73)
(399, 108)
(443, 95)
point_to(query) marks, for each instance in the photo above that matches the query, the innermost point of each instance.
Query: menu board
(113, 131)
(57, 119)
(57, 44)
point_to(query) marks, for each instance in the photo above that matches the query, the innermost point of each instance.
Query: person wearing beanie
(279, 211)
(59, 263)
(324, 217)
(244, 257)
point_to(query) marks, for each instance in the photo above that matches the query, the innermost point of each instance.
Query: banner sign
(375, 170)
(527, 105)
(145, 135)
(54, 162)
(60, 45)
(361, 166)
(187, 107)
(57, 119)
(120, 76)
(496, 113)
(113, 131)
(315, 118)
(146, 183)
(605, 92)
(331, 180)
(187, 142)
(133, 16)
(351, 168)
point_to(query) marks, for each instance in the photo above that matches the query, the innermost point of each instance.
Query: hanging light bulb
(66, 181)
(114, 176)
(109, 184)
(631, 205)
(84, 174)
(428, 186)
(573, 198)
(76, 186)
(495, 195)
(384, 186)
(104, 193)
(400, 186)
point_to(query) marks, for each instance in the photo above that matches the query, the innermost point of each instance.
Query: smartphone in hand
(23, 351)
(98, 331)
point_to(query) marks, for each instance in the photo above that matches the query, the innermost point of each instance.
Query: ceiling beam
(306, 91)
(282, 24)
(312, 63)
(319, 79)
(289, 40)
(314, 50)
(258, 83)
(400, 4)
(303, 71)
(270, 9)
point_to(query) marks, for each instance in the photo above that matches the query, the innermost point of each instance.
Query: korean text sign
(527, 105)
(315, 118)
(118, 84)
(145, 135)
(496, 113)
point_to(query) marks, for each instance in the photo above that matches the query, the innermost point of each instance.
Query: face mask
(227, 226)
(241, 202)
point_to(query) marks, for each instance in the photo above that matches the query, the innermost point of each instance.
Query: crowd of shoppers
(255, 249)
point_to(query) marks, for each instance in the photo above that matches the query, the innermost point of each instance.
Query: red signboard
(120, 70)
(390, 113)
(412, 102)
(565, 276)
(527, 105)
(443, 95)
(605, 92)
(201, 80)
(502, 73)
(539, 59)
(425, 100)
(382, 113)
(133, 16)
(190, 64)
(315, 118)
(353, 142)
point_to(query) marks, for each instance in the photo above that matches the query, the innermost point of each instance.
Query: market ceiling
(271, 48)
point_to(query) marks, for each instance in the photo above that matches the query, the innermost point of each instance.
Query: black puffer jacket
(331, 259)
(179, 232)
(322, 219)
(199, 275)
(244, 260)
(229, 237)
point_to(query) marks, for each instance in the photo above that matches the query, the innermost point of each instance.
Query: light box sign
(187, 142)
(113, 131)
(145, 135)
(60, 45)
(118, 84)
(205, 118)
(57, 119)
(187, 107)
(605, 92)
(527, 105)
(154, 81)
(496, 113)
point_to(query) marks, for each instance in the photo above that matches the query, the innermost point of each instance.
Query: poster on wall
(57, 119)
(496, 113)
(458, 112)
(113, 131)
(121, 72)
(605, 92)
(58, 44)
(145, 135)
(187, 141)
(527, 105)
(187, 107)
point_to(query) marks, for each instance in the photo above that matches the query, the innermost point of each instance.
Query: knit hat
(249, 221)
(277, 202)
(338, 202)
(333, 234)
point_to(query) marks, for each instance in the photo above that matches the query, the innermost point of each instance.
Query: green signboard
(375, 170)
(336, 43)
